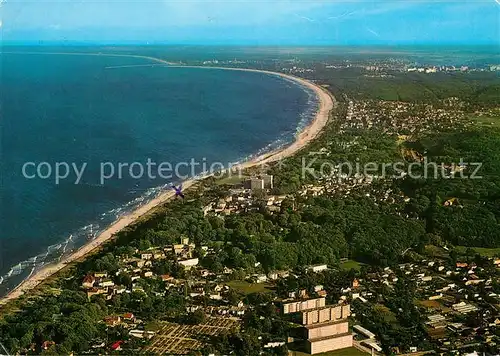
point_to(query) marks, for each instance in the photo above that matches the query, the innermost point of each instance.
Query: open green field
(234, 179)
(487, 121)
(435, 305)
(350, 264)
(483, 251)
(248, 288)
(435, 251)
(351, 351)
(153, 326)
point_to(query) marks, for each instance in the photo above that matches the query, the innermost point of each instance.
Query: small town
(351, 207)
(455, 290)
(456, 301)
(456, 298)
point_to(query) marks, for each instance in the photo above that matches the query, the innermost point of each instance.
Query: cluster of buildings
(389, 64)
(401, 118)
(296, 70)
(319, 327)
(401, 65)
(241, 198)
(380, 67)
(139, 267)
(457, 301)
(130, 322)
(435, 69)
(463, 69)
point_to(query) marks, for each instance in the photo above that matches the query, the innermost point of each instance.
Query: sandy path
(326, 104)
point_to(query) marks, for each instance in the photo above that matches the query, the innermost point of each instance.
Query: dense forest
(474, 219)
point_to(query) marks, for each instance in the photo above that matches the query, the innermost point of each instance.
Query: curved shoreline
(311, 131)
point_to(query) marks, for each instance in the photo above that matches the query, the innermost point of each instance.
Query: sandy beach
(326, 104)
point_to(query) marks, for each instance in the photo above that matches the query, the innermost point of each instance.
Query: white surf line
(137, 65)
(127, 218)
(31, 273)
(94, 54)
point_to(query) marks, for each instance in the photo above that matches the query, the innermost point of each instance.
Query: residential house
(95, 291)
(117, 346)
(317, 268)
(355, 283)
(272, 275)
(189, 263)
(106, 283)
(112, 320)
(129, 317)
(166, 278)
(259, 278)
(47, 344)
(88, 281)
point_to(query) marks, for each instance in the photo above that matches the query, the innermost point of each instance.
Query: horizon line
(147, 44)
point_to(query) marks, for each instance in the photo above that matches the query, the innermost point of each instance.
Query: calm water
(82, 109)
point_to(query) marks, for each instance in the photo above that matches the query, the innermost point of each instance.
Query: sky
(251, 22)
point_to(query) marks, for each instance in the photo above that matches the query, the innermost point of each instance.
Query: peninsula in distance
(250, 178)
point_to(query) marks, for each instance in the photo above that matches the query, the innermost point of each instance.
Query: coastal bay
(300, 139)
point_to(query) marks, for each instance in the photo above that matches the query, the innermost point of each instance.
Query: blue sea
(97, 109)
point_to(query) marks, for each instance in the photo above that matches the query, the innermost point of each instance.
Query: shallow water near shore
(82, 109)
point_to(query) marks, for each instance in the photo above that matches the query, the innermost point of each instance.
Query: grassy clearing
(435, 251)
(234, 179)
(433, 304)
(483, 251)
(248, 288)
(153, 326)
(350, 264)
(487, 121)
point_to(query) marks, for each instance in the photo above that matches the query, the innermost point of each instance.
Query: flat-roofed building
(464, 308)
(189, 263)
(328, 313)
(255, 183)
(328, 343)
(268, 181)
(363, 331)
(295, 307)
(329, 328)
(317, 268)
(326, 328)
(372, 344)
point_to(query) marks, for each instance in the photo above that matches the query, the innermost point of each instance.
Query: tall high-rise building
(327, 329)
(268, 181)
(324, 327)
